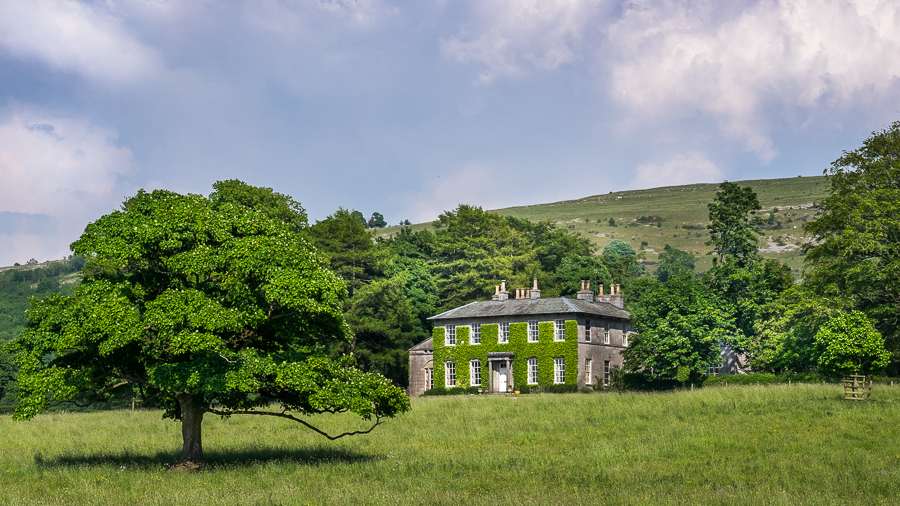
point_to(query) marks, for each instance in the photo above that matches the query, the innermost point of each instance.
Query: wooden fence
(856, 388)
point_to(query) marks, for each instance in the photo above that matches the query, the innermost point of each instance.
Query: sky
(412, 108)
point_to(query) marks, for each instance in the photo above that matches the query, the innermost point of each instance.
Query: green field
(782, 444)
(680, 206)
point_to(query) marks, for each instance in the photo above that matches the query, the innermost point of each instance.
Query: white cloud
(685, 168)
(62, 168)
(74, 37)
(512, 37)
(753, 66)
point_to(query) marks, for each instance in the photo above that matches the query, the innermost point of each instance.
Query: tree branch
(292, 417)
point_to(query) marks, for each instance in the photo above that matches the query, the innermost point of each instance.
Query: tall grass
(797, 444)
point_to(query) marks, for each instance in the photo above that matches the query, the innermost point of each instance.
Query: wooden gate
(856, 388)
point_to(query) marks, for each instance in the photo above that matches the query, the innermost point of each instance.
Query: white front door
(501, 372)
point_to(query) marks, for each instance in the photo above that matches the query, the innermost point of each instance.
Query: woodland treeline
(396, 283)
(841, 317)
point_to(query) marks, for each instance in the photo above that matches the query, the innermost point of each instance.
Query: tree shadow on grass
(216, 460)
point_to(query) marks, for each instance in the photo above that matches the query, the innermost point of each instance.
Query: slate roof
(525, 307)
(426, 345)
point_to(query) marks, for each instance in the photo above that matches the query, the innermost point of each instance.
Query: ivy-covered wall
(545, 350)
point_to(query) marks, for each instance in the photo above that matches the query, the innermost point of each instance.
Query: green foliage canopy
(619, 248)
(265, 200)
(730, 228)
(376, 221)
(743, 288)
(204, 305)
(680, 324)
(673, 261)
(785, 331)
(849, 344)
(348, 247)
(856, 252)
(575, 269)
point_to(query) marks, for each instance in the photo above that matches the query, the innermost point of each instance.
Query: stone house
(505, 343)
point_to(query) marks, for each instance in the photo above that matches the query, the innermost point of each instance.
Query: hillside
(677, 215)
(18, 283)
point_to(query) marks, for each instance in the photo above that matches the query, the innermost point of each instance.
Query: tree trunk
(192, 409)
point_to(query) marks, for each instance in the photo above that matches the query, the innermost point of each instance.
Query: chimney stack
(615, 296)
(585, 293)
(502, 294)
(535, 293)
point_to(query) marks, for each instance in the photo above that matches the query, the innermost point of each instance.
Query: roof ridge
(566, 300)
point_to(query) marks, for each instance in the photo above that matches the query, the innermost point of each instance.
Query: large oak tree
(203, 306)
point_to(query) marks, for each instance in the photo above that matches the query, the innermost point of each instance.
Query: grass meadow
(780, 444)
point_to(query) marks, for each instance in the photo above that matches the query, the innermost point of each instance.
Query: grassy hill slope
(20, 282)
(677, 215)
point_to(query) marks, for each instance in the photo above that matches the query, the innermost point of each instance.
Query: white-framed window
(559, 370)
(532, 371)
(559, 327)
(429, 378)
(503, 338)
(450, 335)
(606, 373)
(449, 374)
(712, 369)
(606, 333)
(532, 331)
(475, 373)
(475, 334)
(588, 374)
(587, 331)
(625, 338)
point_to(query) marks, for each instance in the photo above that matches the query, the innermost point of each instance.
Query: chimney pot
(535, 284)
(600, 290)
(585, 293)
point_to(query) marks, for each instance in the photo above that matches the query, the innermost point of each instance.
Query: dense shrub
(642, 382)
